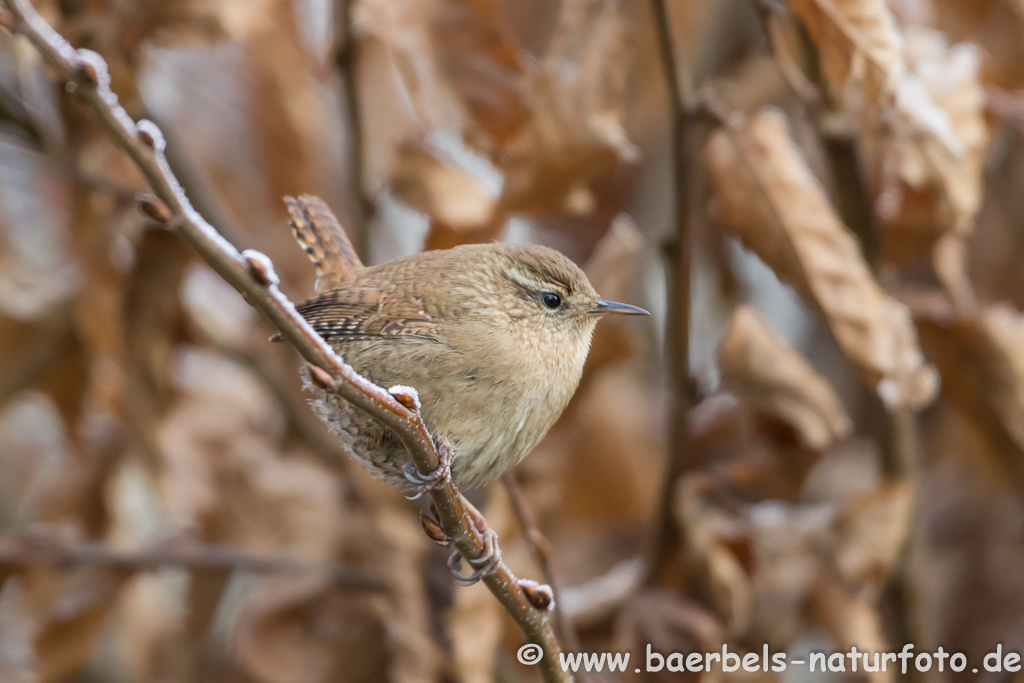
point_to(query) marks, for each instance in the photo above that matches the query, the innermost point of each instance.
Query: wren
(492, 336)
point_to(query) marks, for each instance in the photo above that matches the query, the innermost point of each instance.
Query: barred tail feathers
(323, 239)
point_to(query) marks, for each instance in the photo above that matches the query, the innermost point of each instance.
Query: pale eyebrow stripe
(533, 283)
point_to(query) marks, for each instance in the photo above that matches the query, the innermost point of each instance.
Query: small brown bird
(492, 336)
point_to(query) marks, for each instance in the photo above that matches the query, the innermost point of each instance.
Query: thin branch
(895, 430)
(252, 274)
(666, 535)
(25, 554)
(346, 63)
(595, 601)
(768, 12)
(1007, 106)
(542, 553)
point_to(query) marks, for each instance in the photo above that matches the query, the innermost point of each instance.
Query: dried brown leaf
(399, 549)
(174, 22)
(752, 456)
(578, 97)
(870, 533)
(868, 537)
(853, 621)
(837, 564)
(223, 473)
(458, 63)
(436, 186)
(54, 613)
(787, 542)
(920, 107)
(598, 464)
(925, 155)
(37, 266)
(667, 622)
(480, 61)
(69, 613)
(272, 635)
(993, 25)
(280, 634)
(913, 12)
(770, 200)
(858, 42)
(982, 365)
(217, 310)
(999, 345)
(712, 537)
(762, 369)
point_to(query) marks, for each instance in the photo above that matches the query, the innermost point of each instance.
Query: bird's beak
(603, 307)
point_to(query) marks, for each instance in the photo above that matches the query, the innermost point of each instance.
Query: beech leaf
(768, 198)
(762, 369)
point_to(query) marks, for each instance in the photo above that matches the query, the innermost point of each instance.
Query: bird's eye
(551, 300)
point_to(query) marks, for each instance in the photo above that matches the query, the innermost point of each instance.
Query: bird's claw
(483, 566)
(425, 483)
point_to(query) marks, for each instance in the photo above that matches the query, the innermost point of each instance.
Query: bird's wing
(362, 311)
(324, 240)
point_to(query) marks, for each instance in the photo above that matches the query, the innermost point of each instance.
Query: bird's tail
(324, 240)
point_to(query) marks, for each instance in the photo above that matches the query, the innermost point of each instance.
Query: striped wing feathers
(359, 312)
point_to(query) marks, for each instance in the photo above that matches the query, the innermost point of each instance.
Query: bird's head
(551, 295)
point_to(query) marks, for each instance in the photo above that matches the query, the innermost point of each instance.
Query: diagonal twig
(542, 553)
(252, 274)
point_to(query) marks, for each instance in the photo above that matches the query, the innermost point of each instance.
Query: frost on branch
(539, 595)
(151, 135)
(407, 396)
(261, 268)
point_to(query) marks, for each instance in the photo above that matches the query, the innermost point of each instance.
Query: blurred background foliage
(851, 471)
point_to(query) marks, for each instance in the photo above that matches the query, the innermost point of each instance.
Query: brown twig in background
(768, 12)
(346, 63)
(252, 274)
(600, 598)
(666, 533)
(542, 553)
(21, 555)
(895, 431)
(1006, 106)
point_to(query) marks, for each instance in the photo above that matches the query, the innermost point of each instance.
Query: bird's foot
(486, 564)
(489, 562)
(441, 476)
